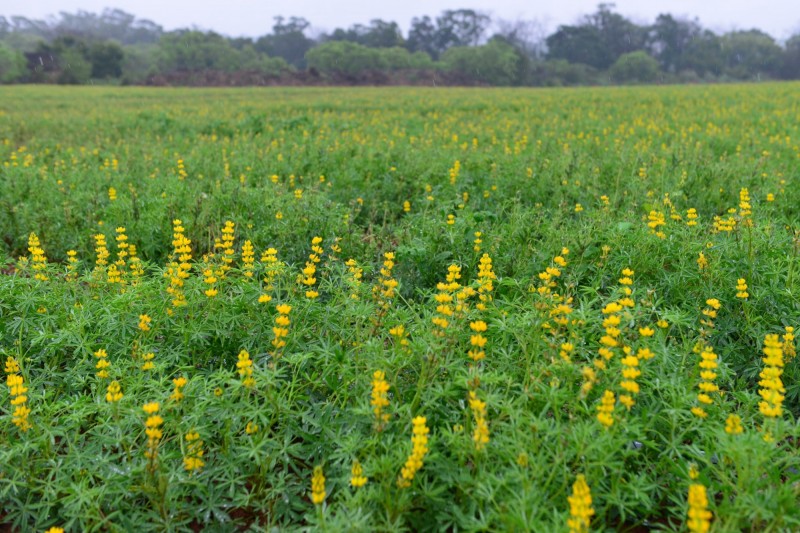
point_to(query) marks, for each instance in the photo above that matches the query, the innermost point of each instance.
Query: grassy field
(400, 309)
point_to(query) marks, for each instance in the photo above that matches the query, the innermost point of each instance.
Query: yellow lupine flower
(580, 506)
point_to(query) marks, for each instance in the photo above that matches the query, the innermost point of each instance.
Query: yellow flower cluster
(655, 220)
(357, 477)
(691, 217)
(477, 242)
(445, 298)
(248, 259)
(356, 273)
(480, 435)
(272, 268)
(789, 349)
(702, 262)
(112, 194)
(549, 275)
(745, 207)
(310, 269)
(710, 313)
(318, 486)
(699, 516)
(178, 271)
(177, 393)
(114, 275)
(477, 341)
(144, 322)
(134, 265)
(726, 225)
(38, 259)
(102, 363)
(613, 318)
(413, 463)
(379, 400)
(244, 366)
(72, 265)
(454, 171)
(580, 506)
(630, 371)
(193, 460)
(385, 290)
(17, 389)
(102, 253)
(401, 336)
(772, 389)
(181, 170)
(148, 361)
(708, 364)
(226, 245)
(113, 392)
(741, 288)
(605, 411)
(280, 329)
(486, 277)
(733, 425)
(122, 251)
(153, 431)
(211, 280)
(589, 379)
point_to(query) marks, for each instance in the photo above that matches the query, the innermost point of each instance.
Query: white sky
(780, 18)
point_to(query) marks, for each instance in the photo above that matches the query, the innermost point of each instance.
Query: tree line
(463, 46)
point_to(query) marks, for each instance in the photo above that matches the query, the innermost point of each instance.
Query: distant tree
(345, 58)
(106, 59)
(635, 67)
(252, 60)
(494, 63)
(288, 41)
(527, 36)
(75, 68)
(750, 54)
(461, 27)
(397, 58)
(12, 64)
(559, 72)
(381, 34)
(669, 38)
(139, 63)
(196, 51)
(110, 24)
(422, 37)
(378, 34)
(598, 41)
(790, 63)
(703, 55)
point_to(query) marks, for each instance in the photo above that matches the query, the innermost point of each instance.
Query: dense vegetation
(458, 47)
(236, 307)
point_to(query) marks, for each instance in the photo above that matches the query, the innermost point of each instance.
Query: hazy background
(254, 18)
(434, 43)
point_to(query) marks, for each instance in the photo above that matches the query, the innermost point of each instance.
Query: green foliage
(12, 64)
(750, 54)
(635, 67)
(494, 63)
(75, 68)
(106, 59)
(195, 50)
(288, 165)
(345, 58)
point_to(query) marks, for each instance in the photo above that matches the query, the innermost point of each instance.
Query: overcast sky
(780, 18)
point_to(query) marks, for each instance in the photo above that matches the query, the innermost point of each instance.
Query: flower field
(400, 309)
